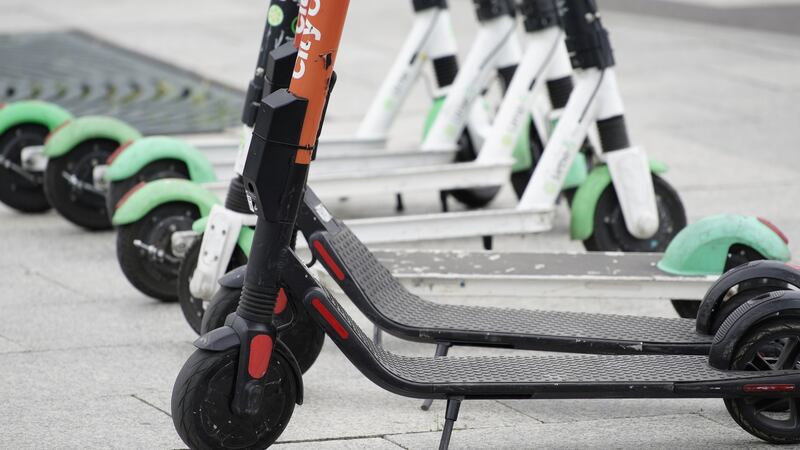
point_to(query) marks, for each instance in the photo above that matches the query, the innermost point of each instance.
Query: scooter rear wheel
(474, 197)
(202, 397)
(67, 180)
(194, 308)
(18, 191)
(154, 171)
(304, 338)
(611, 234)
(737, 255)
(154, 274)
(773, 345)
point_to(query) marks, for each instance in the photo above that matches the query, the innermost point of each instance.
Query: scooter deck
(394, 309)
(573, 275)
(556, 376)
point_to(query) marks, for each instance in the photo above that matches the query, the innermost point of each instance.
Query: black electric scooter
(240, 387)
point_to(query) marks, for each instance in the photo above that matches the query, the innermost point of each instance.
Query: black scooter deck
(557, 376)
(393, 308)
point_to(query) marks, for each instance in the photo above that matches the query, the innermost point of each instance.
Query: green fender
(32, 111)
(159, 192)
(522, 154)
(585, 201)
(702, 247)
(146, 150)
(244, 242)
(63, 140)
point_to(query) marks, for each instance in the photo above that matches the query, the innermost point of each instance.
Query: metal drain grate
(88, 76)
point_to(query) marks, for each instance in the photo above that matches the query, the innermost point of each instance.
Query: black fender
(773, 273)
(225, 338)
(234, 279)
(767, 306)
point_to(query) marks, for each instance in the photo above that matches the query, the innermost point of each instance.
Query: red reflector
(775, 229)
(323, 311)
(756, 388)
(329, 262)
(260, 352)
(280, 305)
(117, 152)
(2, 105)
(129, 193)
(66, 122)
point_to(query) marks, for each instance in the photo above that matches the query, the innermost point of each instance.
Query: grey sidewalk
(88, 362)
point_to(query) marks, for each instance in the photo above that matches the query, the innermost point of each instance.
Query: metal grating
(88, 76)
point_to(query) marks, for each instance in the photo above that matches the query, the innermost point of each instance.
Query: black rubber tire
(157, 280)
(191, 306)
(743, 409)
(611, 235)
(475, 197)
(202, 396)
(16, 191)
(156, 170)
(304, 338)
(85, 209)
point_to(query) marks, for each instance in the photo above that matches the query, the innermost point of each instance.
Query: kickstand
(443, 200)
(441, 350)
(400, 207)
(377, 336)
(450, 417)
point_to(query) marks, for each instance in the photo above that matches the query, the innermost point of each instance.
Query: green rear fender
(64, 139)
(32, 112)
(147, 150)
(587, 196)
(159, 192)
(245, 241)
(702, 247)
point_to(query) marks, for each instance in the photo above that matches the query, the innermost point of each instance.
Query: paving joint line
(150, 404)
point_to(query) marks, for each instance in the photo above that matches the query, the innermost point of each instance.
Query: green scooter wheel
(144, 249)
(69, 184)
(611, 234)
(20, 189)
(304, 337)
(154, 171)
(202, 396)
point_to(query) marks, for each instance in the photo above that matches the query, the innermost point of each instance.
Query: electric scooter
(150, 214)
(240, 387)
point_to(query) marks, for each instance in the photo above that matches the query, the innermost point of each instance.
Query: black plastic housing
(491, 9)
(270, 161)
(539, 14)
(587, 39)
(422, 5)
(274, 35)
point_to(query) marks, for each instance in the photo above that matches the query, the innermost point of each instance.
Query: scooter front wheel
(20, 189)
(202, 396)
(194, 308)
(304, 337)
(154, 171)
(611, 234)
(70, 188)
(144, 249)
(772, 345)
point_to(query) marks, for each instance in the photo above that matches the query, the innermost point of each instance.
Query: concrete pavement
(88, 362)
